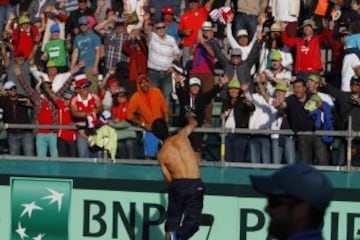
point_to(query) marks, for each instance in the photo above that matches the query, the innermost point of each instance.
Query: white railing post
(349, 140)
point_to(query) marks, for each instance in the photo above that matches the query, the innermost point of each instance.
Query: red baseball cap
(142, 78)
(167, 10)
(112, 82)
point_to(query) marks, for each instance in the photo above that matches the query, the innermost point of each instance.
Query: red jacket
(337, 48)
(308, 55)
(64, 118)
(23, 41)
(138, 58)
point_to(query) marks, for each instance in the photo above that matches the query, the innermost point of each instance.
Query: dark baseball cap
(297, 180)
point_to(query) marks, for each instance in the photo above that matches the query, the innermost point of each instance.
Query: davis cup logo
(40, 208)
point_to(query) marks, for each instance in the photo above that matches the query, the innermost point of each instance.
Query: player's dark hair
(160, 129)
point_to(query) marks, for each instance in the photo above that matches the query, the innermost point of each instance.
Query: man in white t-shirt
(163, 50)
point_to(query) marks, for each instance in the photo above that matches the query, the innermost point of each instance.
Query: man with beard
(297, 198)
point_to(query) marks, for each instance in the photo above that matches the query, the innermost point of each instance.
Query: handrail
(349, 134)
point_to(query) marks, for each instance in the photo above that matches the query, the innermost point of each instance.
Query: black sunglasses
(12, 88)
(160, 27)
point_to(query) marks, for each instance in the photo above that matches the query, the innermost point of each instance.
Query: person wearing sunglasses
(84, 107)
(163, 50)
(72, 25)
(16, 110)
(86, 48)
(298, 196)
(190, 24)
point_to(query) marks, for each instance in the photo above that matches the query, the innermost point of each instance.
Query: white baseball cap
(206, 26)
(9, 84)
(242, 32)
(194, 81)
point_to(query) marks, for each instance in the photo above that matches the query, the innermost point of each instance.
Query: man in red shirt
(45, 113)
(66, 138)
(83, 106)
(190, 24)
(308, 55)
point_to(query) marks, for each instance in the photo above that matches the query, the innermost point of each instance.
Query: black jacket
(73, 19)
(201, 100)
(241, 110)
(346, 107)
(14, 112)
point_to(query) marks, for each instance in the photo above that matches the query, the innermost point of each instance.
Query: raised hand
(245, 86)
(224, 80)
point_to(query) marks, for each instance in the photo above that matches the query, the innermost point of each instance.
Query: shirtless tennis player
(180, 168)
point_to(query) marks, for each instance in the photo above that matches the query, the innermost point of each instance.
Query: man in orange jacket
(146, 105)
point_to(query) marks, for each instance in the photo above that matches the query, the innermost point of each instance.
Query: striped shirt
(161, 52)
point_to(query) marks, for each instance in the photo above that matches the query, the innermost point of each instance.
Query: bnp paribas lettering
(96, 225)
(258, 223)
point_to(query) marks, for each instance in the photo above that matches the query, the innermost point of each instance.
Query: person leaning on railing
(16, 110)
(311, 148)
(349, 106)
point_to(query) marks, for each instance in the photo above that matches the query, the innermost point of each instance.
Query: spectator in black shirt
(192, 99)
(16, 110)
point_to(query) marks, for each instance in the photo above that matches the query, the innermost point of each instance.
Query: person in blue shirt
(167, 15)
(86, 48)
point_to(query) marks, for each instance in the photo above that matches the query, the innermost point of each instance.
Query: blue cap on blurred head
(83, 20)
(69, 94)
(54, 28)
(297, 180)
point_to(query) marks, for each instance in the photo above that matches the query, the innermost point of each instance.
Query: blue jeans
(186, 56)
(248, 22)
(161, 80)
(260, 149)
(126, 148)
(45, 141)
(235, 147)
(82, 146)
(24, 139)
(288, 150)
(4, 14)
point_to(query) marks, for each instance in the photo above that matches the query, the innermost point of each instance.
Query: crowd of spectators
(113, 64)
